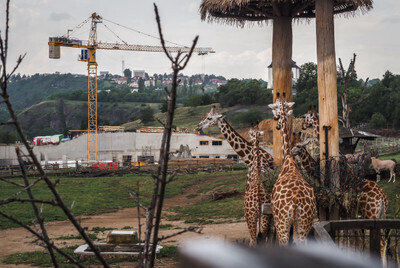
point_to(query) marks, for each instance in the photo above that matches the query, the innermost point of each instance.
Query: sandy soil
(19, 240)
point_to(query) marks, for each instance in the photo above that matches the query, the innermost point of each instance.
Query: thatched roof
(238, 12)
(352, 133)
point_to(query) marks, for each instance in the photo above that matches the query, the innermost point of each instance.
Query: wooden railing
(376, 237)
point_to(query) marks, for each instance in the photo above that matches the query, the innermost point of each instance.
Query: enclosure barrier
(376, 237)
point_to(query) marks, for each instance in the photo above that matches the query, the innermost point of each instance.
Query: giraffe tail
(296, 216)
(381, 214)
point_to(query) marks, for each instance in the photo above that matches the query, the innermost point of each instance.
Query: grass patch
(166, 226)
(42, 259)
(207, 211)
(92, 196)
(168, 252)
(70, 237)
(392, 191)
(98, 229)
(191, 196)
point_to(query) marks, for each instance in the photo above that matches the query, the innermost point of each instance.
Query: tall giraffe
(244, 149)
(311, 119)
(240, 145)
(255, 194)
(292, 200)
(372, 200)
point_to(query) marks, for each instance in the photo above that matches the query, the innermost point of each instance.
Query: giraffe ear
(289, 104)
(273, 106)
(274, 113)
(304, 143)
(289, 113)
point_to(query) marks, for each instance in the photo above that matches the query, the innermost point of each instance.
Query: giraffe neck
(307, 160)
(238, 143)
(285, 138)
(254, 169)
(316, 127)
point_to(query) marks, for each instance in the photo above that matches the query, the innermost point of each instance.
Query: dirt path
(19, 240)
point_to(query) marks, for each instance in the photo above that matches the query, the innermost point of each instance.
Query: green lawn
(91, 196)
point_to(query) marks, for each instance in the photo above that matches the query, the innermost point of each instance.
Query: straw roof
(238, 12)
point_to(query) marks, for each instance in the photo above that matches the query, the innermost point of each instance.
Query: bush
(198, 100)
(245, 119)
(147, 115)
(378, 120)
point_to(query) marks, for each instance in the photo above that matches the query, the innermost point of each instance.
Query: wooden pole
(281, 71)
(327, 94)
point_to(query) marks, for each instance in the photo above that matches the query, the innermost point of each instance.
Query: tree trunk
(281, 72)
(327, 90)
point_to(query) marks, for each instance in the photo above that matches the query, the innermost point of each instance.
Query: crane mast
(88, 54)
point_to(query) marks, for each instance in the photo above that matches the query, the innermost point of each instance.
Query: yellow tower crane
(88, 54)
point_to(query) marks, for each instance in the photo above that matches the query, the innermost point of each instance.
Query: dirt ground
(19, 240)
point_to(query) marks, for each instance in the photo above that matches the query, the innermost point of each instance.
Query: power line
(152, 36)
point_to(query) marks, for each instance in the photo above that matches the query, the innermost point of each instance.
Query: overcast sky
(240, 52)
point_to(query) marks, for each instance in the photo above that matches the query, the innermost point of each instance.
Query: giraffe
(372, 200)
(244, 149)
(292, 200)
(255, 193)
(311, 119)
(241, 146)
(310, 165)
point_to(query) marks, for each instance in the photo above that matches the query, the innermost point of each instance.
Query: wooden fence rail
(371, 236)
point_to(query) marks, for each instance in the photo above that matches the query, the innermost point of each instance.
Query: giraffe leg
(251, 213)
(252, 225)
(266, 220)
(282, 230)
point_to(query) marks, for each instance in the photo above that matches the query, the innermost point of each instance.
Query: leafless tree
(347, 77)
(28, 186)
(178, 63)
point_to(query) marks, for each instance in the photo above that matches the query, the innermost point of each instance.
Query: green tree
(128, 74)
(306, 88)
(147, 115)
(7, 136)
(245, 119)
(246, 92)
(378, 121)
(141, 85)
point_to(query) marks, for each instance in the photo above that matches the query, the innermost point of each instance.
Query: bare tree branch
(39, 215)
(73, 261)
(190, 229)
(13, 117)
(161, 122)
(11, 182)
(25, 200)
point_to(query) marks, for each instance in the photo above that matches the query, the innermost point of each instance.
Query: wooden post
(282, 72)
(327, 87)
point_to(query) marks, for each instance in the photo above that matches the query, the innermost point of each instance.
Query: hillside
(49, 117)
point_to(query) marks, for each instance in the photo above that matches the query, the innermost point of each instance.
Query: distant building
(139, 74)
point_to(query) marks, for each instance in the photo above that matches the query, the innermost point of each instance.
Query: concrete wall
(116, 145)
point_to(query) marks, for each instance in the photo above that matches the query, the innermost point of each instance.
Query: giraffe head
(254, 134)
(280, 110)
(298, 148)
(209, 120)
(309, 118)
(296, 138)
